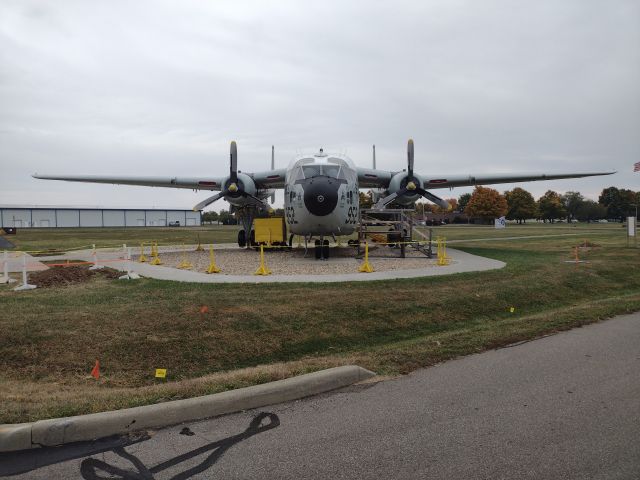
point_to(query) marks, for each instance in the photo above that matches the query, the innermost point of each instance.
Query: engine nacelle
(245, 184)
(398, 182)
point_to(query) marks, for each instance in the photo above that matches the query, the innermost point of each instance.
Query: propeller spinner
(234, 186)
(411, 185)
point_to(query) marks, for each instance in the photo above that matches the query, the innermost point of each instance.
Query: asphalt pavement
(565, 406)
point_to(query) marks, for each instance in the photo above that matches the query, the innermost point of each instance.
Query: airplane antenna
(374, 157)
(273, 166)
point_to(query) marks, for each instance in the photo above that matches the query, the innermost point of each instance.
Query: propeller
(233, 187)
(411, 185)
(233, 164)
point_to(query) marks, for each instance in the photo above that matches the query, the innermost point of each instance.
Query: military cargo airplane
(320, 190)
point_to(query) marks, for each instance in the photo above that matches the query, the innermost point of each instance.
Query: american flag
(636, 167)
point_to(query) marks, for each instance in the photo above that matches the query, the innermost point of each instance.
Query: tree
(366, 199)
(453, 203)
(226, 218)
(572, 202)
(463, 200)
(618, 202)
(550, 206)
(521, 205)
(629, 199)
(421, 208)
(486, 203)
(210, 217)
(588, 211)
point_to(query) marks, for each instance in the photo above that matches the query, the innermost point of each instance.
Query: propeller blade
(383, 202)
(209, 201)
(435, 199)
(410, 158)
(256, 200)
(233, 164)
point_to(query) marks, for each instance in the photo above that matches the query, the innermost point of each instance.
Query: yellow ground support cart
(270, 231)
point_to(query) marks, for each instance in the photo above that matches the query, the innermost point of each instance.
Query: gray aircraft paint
(331, 170)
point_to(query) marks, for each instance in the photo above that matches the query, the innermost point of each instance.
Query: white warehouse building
(25, 216)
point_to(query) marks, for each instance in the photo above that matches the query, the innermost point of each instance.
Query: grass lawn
(51, 337)
(66, 238)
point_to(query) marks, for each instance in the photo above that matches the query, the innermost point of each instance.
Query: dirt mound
(73, 274)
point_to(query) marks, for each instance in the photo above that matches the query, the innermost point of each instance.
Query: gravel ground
(244, 262)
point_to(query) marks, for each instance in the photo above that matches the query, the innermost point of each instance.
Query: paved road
(566, 406)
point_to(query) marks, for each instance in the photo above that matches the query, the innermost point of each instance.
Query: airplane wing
(195, 183)
(270, 178)
(489, 179)
(370, 178)
(263, 180)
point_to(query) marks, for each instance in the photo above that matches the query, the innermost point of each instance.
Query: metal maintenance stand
(397, 225)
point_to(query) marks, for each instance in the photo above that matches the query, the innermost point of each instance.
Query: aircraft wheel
(318, 250)
(242, 239)
(252, 239)
(325, 249)
(393, 237)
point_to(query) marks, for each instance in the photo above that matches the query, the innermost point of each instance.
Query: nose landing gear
(322, 249)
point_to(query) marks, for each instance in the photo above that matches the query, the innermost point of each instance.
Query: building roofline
(86, 207)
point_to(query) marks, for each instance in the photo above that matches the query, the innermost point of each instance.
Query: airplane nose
(321, 195)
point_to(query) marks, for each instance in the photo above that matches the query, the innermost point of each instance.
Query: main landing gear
(243, 241)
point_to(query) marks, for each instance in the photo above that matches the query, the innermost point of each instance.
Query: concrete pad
(460, 262)
(15, 262)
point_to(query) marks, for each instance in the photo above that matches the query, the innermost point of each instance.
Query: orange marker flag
(95, 373)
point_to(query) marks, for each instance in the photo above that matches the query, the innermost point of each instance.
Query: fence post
(130, 275)
(96, 265)
(25, 284)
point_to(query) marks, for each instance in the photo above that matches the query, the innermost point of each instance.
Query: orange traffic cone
(95, 373)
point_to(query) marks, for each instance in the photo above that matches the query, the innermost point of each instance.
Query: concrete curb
(59, 431)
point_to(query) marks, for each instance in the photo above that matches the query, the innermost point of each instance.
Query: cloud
(161, 88)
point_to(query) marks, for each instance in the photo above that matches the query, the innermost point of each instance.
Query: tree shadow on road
(15, 463)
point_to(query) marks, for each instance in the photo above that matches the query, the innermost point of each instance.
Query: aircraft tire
(318, 250)
(325, 249)
(242, 239)
(392, 237)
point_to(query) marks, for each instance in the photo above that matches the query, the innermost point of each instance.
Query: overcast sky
(161, 88)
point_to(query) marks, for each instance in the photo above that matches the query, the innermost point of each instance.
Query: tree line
(519, 205)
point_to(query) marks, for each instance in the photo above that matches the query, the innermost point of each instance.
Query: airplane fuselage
(321, 195)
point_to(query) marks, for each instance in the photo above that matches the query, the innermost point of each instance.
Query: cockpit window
(330, 170)
(315, 170)
(311, 171)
